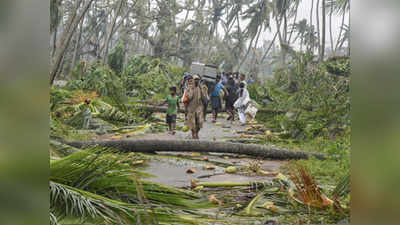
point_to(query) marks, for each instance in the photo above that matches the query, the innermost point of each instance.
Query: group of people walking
(196, 95)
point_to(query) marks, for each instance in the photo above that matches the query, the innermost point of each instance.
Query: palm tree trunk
(269, 47)
(322, 55)
(340, 32)
(151, 146)
(65, 40)
(111, 32)
(330, 31)
(178, 41)
(318, 29)
(283, 51)
(301, 44)
(311, 23)
(250, 45)
(78, 40)
(54, 43)
(294, 21)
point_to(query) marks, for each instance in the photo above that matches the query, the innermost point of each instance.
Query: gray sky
(303, 13)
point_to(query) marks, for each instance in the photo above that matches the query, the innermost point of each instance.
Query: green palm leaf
(66, 201)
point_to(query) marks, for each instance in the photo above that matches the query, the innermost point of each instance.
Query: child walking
(172, 111)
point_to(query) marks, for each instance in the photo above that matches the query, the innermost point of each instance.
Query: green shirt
(172, 105)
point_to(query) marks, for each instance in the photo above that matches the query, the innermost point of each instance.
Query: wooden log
(163, 109)
(151, 146)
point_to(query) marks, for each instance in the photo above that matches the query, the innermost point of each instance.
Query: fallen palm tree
(151, 146)
(161, 109)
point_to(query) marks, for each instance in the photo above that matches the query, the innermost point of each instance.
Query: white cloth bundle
(242, 101)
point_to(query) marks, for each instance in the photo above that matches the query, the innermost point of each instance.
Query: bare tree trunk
(65, 40)
(285, 27)
(311, 23)
(254, 58)
(111, 32)
(77, 44)
(294, 22)
(54, 44)
(269, 47)
(151, 146)
(178, 41)
(340, 32)
(322, 55)
(318, 29)
(62, 66)
(283, 51)
(330, 31)
(249, 48)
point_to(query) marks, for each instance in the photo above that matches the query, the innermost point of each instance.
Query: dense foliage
(116, 59)
(316, 102)
(145, 77)
(102, 80)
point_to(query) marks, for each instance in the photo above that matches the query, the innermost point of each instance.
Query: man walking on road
(216, 104)
(195, 97)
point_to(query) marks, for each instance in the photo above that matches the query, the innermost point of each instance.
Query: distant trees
(222, 32)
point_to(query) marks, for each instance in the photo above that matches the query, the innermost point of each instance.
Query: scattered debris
(210, 167)
(231, 169)
(214, 200)
(191, 170)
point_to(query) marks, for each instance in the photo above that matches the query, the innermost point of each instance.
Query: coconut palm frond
(338, 6)
(115, 176)
(342, 188)
(259, 15)
(345, 36)
(53, 219)
(307, 189)
(67, 201)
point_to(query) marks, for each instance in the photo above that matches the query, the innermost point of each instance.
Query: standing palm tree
(301, 28)
(340, 7)
(259, 15)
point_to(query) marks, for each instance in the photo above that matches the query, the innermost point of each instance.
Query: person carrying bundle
(242, 103)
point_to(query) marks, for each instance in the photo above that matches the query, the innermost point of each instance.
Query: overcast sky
(303, 13)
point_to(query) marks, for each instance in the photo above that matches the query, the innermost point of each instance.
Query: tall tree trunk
(54, 45)
(150, 146)
(318, 29)
(259, 29)
(340, 32)
(322, 55)
(301, 44)
(77, 46)
(65, 40)
(269, 47)
(285, 27)
(178, 41)
(111, 31)
(125, 38)
(283, 50)
(330, 31)
(254, 58)
(311, 42)
(294, 22)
